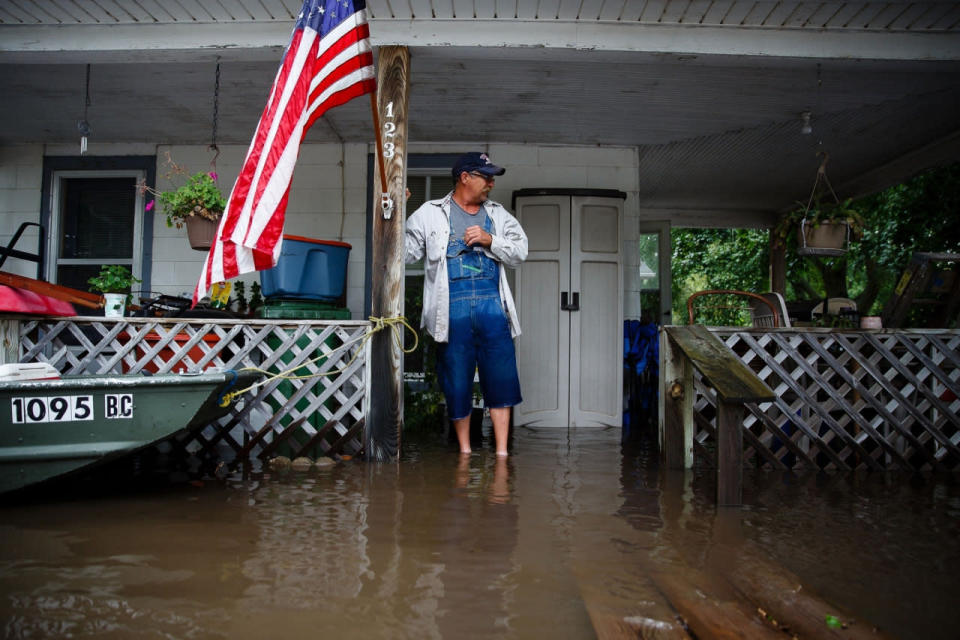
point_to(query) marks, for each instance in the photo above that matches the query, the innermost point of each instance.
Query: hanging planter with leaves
(825, 225)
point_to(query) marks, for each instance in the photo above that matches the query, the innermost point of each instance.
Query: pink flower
(213, 174)
(149, 206)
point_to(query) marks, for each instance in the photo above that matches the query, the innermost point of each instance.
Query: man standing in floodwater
(467, 304)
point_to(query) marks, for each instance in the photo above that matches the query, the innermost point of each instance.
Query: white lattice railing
(845, 399)
(321, 415)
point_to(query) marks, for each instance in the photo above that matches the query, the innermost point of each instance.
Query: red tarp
(15, 300)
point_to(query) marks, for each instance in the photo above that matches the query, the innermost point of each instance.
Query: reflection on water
(568, 535)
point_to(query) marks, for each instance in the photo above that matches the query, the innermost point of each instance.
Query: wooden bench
(681, 350)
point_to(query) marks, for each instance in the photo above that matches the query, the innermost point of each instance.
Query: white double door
(569, 297)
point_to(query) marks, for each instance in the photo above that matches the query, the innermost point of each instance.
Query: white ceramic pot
(114, 305)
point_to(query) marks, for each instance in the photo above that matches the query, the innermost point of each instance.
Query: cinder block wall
(327, 197)
(21, 171)
(327, 201)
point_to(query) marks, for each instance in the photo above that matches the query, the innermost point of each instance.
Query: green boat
(53, 427)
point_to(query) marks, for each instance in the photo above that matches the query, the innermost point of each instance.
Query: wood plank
(676, 413)
(775, 431)
(844, 405)
(805, 397)
(385, 420)
(729, 454)
(770, 587)
(9, 340)
(732, 379)
(870, 398)
(751, 439)
(707, 611)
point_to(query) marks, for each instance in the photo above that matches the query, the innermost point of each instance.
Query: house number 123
(389, 130)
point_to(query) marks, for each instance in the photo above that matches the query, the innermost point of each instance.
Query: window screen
(96, 227)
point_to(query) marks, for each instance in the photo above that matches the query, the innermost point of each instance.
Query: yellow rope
(397, 324)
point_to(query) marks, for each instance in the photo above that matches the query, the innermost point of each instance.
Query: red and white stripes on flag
(329, 62)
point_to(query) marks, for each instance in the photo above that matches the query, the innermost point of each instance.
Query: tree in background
(918, 215)
(717, 259)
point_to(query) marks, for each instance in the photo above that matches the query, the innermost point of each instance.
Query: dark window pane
(97, 219)
(76, 275)
(418, 188)
(440, 186)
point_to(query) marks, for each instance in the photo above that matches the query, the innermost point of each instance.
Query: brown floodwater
(573, 529)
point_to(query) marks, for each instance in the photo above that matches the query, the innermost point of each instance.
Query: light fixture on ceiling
(805, 127)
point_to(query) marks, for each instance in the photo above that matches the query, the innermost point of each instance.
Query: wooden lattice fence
(317, 416)
(845, 399)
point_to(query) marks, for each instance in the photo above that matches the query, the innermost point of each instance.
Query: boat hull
(49, 428)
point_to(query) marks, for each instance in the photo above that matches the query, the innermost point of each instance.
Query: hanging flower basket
(201, 232)
(827, 238)
(823, 228)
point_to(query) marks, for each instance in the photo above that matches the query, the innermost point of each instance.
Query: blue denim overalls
(479, 336)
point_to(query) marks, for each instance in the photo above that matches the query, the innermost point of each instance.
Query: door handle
(570, 306)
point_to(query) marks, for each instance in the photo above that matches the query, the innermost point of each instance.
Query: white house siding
(21, 169)
(321, 198)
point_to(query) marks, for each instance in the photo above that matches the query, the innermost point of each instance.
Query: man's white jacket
(428, 232)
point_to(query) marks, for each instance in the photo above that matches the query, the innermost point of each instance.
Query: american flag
(328, 63)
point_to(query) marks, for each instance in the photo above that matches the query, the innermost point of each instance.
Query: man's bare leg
(501, 428)
(462, 427)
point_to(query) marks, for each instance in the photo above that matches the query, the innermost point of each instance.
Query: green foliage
(246, 307)
(199, 196)
(917, 215)
(256, 299)
(423, 402)
(717, 259)
(819, 213)
(240, 299)
(113, 278)
(423, 411)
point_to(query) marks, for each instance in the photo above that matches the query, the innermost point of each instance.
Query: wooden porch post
(9, 341)
(384, 422)
(778, 267)
(676, 406)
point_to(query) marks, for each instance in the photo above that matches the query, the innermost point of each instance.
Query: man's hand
(475, 235)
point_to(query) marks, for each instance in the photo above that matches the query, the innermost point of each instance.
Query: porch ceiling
(714, 131)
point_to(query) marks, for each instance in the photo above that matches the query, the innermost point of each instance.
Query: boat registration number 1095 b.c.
(70, 408)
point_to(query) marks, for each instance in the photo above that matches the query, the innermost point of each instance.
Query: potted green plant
(114, 282)
(824, 225)
(196, 204)
(823, 229)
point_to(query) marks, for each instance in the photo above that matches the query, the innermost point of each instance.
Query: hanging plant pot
(114, 305)
(823, 239)
(201, 232)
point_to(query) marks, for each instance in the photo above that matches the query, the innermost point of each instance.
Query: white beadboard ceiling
(883, 16)
(709, 91)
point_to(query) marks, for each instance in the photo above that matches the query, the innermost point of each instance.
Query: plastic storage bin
(308, 269)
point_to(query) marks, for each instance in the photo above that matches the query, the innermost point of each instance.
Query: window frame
(56, 168)
(57, 179)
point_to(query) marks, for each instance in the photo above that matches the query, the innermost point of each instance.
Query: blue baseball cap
(476, 161)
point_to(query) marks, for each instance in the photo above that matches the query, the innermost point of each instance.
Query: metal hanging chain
(86, 100)
(82, 125)
(821, 175)
(216, 116)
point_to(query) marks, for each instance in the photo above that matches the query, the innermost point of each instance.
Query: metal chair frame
(777, 322)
